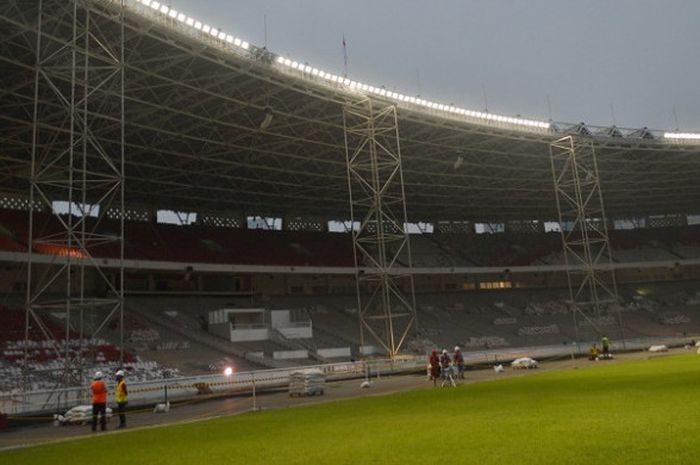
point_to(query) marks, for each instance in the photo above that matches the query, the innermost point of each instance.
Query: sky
(634, 63)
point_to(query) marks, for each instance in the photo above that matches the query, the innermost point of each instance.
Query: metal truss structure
(77, 159)
(195, 112)
(385, 294)
(584, 231)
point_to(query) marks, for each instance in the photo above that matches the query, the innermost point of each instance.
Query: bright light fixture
(228, 371)
(221, 35)
(682, 135)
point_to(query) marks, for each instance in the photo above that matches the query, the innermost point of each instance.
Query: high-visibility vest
(99, 392)
(120, 393)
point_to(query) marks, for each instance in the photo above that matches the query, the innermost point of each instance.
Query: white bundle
(525, 362)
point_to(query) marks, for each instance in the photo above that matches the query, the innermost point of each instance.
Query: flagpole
(345, 57)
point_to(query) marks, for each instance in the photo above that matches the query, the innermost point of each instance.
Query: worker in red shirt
(458, 360)
(434, 364)
(99, 401)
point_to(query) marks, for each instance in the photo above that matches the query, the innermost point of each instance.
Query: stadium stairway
(199, 336)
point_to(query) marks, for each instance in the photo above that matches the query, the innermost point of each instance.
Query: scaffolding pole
(384, 271)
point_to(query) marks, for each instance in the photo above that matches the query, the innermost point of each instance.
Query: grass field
(644, 412)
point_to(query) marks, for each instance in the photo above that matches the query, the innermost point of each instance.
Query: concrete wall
(334, 352)
(257, 334)
(369, 350)
(279, 318)
(290, 354)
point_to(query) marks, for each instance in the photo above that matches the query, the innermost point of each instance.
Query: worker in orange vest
(121, 399)
(99, 401)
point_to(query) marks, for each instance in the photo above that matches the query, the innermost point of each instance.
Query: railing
(176, 389)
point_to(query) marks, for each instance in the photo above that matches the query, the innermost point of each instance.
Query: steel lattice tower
(77, 158)
(584, 231)
(384, 279)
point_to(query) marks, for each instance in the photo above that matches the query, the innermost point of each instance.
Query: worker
(458, 360)
(434, 364)
(594, 353)
(99, 401)
(446, 368)
(606, 346)
(120, 396)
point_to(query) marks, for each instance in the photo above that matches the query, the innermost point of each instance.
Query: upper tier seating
(208, 244)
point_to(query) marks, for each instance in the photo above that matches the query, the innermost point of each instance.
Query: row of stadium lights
(358, 86)
(212, 31)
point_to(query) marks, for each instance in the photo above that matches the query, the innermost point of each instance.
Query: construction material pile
(306, 382)
(80, 415)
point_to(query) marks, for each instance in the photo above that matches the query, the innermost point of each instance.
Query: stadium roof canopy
(215, 123)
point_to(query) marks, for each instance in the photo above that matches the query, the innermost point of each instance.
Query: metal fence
(185, 388)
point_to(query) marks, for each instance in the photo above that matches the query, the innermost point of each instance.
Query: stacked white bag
(306, 382)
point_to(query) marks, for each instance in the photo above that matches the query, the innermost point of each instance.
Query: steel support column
(584, 233)
(384, 278)
(78, 177)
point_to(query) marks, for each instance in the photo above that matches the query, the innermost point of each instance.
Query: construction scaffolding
(76, 174)
(385, 289)
(584, 232)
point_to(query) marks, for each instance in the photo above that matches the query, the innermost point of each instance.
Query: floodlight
(245, 45)
(155, 5)
(181, 17)
(198, 25)
(189, 21)
(682, 135)
(172, 13)
(164, 9)
(228, 371)
(237, 42)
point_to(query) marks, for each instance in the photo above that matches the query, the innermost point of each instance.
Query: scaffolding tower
(77, 174)
(584, 233)
(384, 279)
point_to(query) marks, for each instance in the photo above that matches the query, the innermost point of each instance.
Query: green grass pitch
(643, 412)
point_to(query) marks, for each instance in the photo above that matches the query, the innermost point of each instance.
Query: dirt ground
(201, 409)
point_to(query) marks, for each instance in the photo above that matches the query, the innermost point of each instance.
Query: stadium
(216, 219)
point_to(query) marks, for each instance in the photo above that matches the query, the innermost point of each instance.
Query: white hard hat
(444, 351)
(120, 373)
(456, 348)
(98, 375)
